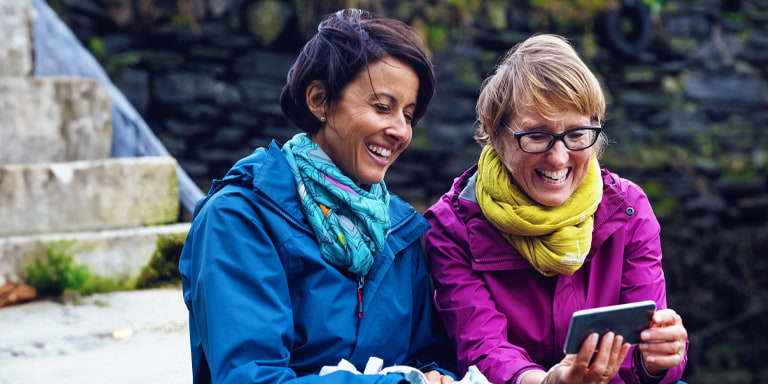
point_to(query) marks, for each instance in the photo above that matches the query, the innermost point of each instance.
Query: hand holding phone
(627, 320)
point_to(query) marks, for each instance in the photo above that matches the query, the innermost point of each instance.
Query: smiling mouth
(554, 177)
(379, 151)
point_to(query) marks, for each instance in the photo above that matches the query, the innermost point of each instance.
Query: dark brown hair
(345, 44)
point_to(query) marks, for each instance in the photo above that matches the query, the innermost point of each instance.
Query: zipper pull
(360, 284)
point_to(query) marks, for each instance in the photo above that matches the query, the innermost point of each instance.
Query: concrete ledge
(16, 41)
(119, 254)
(88, 195)
(54, 119)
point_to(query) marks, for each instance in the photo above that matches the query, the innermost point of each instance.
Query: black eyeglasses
(575, 139)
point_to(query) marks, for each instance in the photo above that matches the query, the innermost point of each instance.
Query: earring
(322, 119)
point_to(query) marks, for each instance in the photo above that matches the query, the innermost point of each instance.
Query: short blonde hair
(545, 73)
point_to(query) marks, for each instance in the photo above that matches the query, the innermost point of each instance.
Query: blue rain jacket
(264, 307)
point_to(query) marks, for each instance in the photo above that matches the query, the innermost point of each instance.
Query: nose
(558, 154)
(399, 129)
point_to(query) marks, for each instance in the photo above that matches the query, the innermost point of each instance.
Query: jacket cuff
(524, 373)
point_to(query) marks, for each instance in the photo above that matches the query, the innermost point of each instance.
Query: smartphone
(627, 320)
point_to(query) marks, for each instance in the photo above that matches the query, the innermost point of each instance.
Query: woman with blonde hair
(536, 231)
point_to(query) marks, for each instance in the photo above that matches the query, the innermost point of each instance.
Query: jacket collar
(267, 173)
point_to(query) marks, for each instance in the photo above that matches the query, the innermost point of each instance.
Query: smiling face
(370, 125)
(549, 178)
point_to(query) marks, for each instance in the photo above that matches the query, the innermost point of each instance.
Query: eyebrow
(538, 125)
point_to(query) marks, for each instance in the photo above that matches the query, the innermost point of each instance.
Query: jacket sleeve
(465, 305)
(643, 278)
(237, 293)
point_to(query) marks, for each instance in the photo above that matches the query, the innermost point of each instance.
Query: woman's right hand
(593, 364)
(435, 377)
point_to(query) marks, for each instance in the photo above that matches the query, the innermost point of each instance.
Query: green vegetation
(55, 273)
(664, 204)
(570, 13)
(112, 62)
(163, 267)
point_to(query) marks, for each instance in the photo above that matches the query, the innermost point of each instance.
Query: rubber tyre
(627, 31)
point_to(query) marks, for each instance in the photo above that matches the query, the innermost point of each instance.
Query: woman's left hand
(663, 345)
(435, 377)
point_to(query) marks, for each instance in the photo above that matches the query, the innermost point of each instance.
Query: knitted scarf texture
(555, 240)
(350, 223)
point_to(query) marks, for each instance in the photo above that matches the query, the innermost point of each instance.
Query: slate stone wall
(688, 114)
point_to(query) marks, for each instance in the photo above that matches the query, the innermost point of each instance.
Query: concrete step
(16, 42)
(54, 119)
(119, 254)
(88, 195)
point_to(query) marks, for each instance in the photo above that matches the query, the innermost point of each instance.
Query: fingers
(587, 351)
(435, 377)
(607, 361)
(598, 360)
(660, 356)
(573, 367)
(665, 317)
(666, 334)
(664, 344)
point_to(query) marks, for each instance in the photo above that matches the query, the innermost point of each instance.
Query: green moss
(664, 204)
(163, 267)
(54, 273)
(569, 13)
(644, 157)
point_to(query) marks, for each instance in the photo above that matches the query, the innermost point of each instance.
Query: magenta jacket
(505, 317)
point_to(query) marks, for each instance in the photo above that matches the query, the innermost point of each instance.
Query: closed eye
(538, 137)
(575, 135)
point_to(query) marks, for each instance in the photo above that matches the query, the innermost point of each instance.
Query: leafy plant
(56, 272)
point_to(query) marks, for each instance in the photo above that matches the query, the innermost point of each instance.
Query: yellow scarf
(555, 240)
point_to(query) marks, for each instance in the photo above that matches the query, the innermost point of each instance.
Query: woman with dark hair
(299, 257)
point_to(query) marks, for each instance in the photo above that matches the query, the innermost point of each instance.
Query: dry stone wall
(688, 114)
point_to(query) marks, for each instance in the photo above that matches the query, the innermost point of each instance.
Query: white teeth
(379, 150)
(554, 176)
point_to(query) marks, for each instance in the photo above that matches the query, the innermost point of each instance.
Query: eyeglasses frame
(561, 137)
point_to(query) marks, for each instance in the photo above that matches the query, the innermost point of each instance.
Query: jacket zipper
(360, 283)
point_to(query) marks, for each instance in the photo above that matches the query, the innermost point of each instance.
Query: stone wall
(688, 115)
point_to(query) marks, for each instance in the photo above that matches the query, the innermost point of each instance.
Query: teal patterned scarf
(350, 223)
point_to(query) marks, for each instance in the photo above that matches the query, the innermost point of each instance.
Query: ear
(315, 97)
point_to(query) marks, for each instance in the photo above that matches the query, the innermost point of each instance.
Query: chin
(374, 179)
(551, 202)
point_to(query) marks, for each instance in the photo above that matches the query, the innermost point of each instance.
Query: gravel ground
(116, 338)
